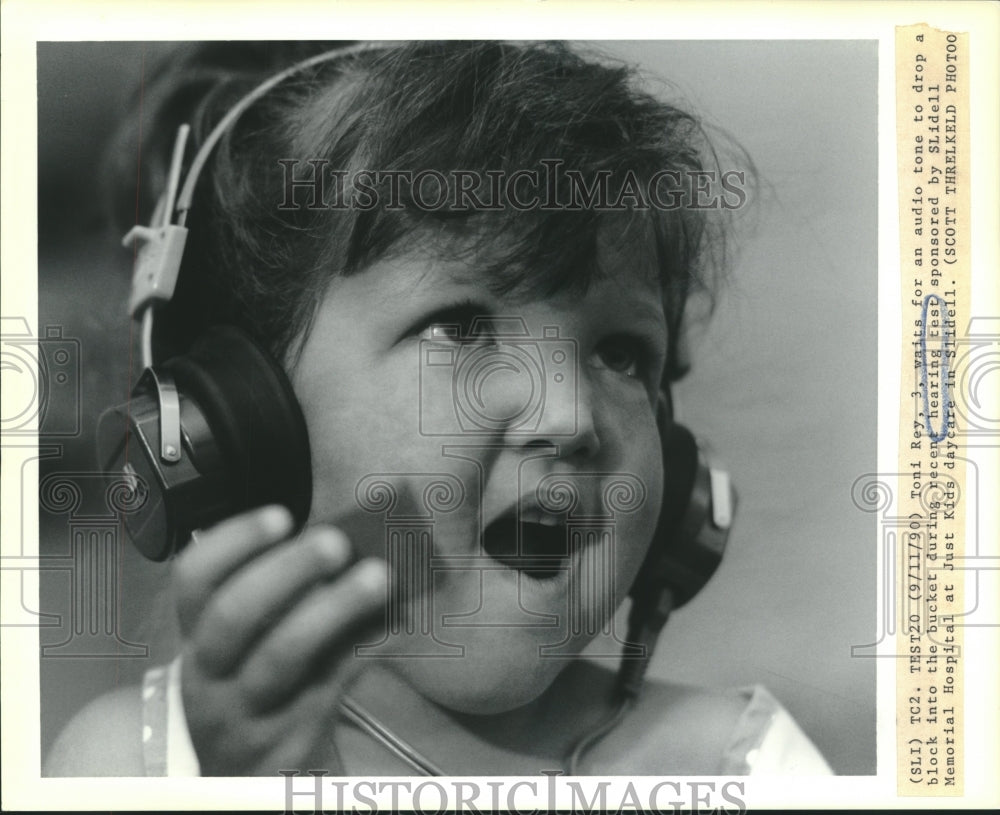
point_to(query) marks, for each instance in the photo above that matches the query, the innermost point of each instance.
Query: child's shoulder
(673, 729)
(688, 728)
(103, 739)
(677, 729)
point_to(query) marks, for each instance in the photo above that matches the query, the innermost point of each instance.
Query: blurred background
(783, 386)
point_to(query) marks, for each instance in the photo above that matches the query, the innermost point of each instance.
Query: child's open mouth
(538, 550)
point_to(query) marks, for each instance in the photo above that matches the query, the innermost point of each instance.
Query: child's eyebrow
(647, 313)
(464, 309)
(649, 321)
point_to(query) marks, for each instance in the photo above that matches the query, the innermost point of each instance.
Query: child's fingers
(303, 729)
(243, 607)
(236, 741)
(219, 551)
(300, 644)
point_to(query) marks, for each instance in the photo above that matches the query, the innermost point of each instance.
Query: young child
(402, 227)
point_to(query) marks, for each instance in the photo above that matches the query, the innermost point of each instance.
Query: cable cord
(356, 714)
(645, 624)
(378, 731)
(360, 717)
(588, 740)
(644, 629)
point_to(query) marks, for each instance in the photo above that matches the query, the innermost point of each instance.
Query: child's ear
(695, 312)
(682, 354)
(664, 410)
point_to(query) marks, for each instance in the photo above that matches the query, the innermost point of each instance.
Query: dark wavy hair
(477, 106)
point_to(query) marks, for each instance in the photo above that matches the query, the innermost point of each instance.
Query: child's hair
(473, 106)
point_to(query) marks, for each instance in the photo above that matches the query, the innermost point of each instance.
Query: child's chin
(485, 690)
(486, 705)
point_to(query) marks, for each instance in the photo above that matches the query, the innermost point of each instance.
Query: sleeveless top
(765, 741)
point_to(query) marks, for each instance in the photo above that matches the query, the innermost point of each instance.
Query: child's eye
(462, 323)
(624, 355)
(440, 331)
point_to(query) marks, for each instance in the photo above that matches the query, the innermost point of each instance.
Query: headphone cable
(591, 738)
(650, 612)
(378, 731)
(364, 720)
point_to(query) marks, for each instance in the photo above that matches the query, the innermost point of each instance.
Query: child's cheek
(636, 529)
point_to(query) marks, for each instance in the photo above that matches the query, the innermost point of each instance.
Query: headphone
(218, 430)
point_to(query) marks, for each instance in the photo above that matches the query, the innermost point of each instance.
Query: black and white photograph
(456, 407)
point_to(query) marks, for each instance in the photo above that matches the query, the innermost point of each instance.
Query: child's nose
(530, 398)
(567, 421)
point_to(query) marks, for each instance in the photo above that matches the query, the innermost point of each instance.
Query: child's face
(379, 409)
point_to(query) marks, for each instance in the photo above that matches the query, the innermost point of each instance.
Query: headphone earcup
(244, 440)
(692, 529)
(680, 468)
(686, 548)
(250, 405)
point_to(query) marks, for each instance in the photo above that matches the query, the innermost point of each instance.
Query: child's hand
(269, 625)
